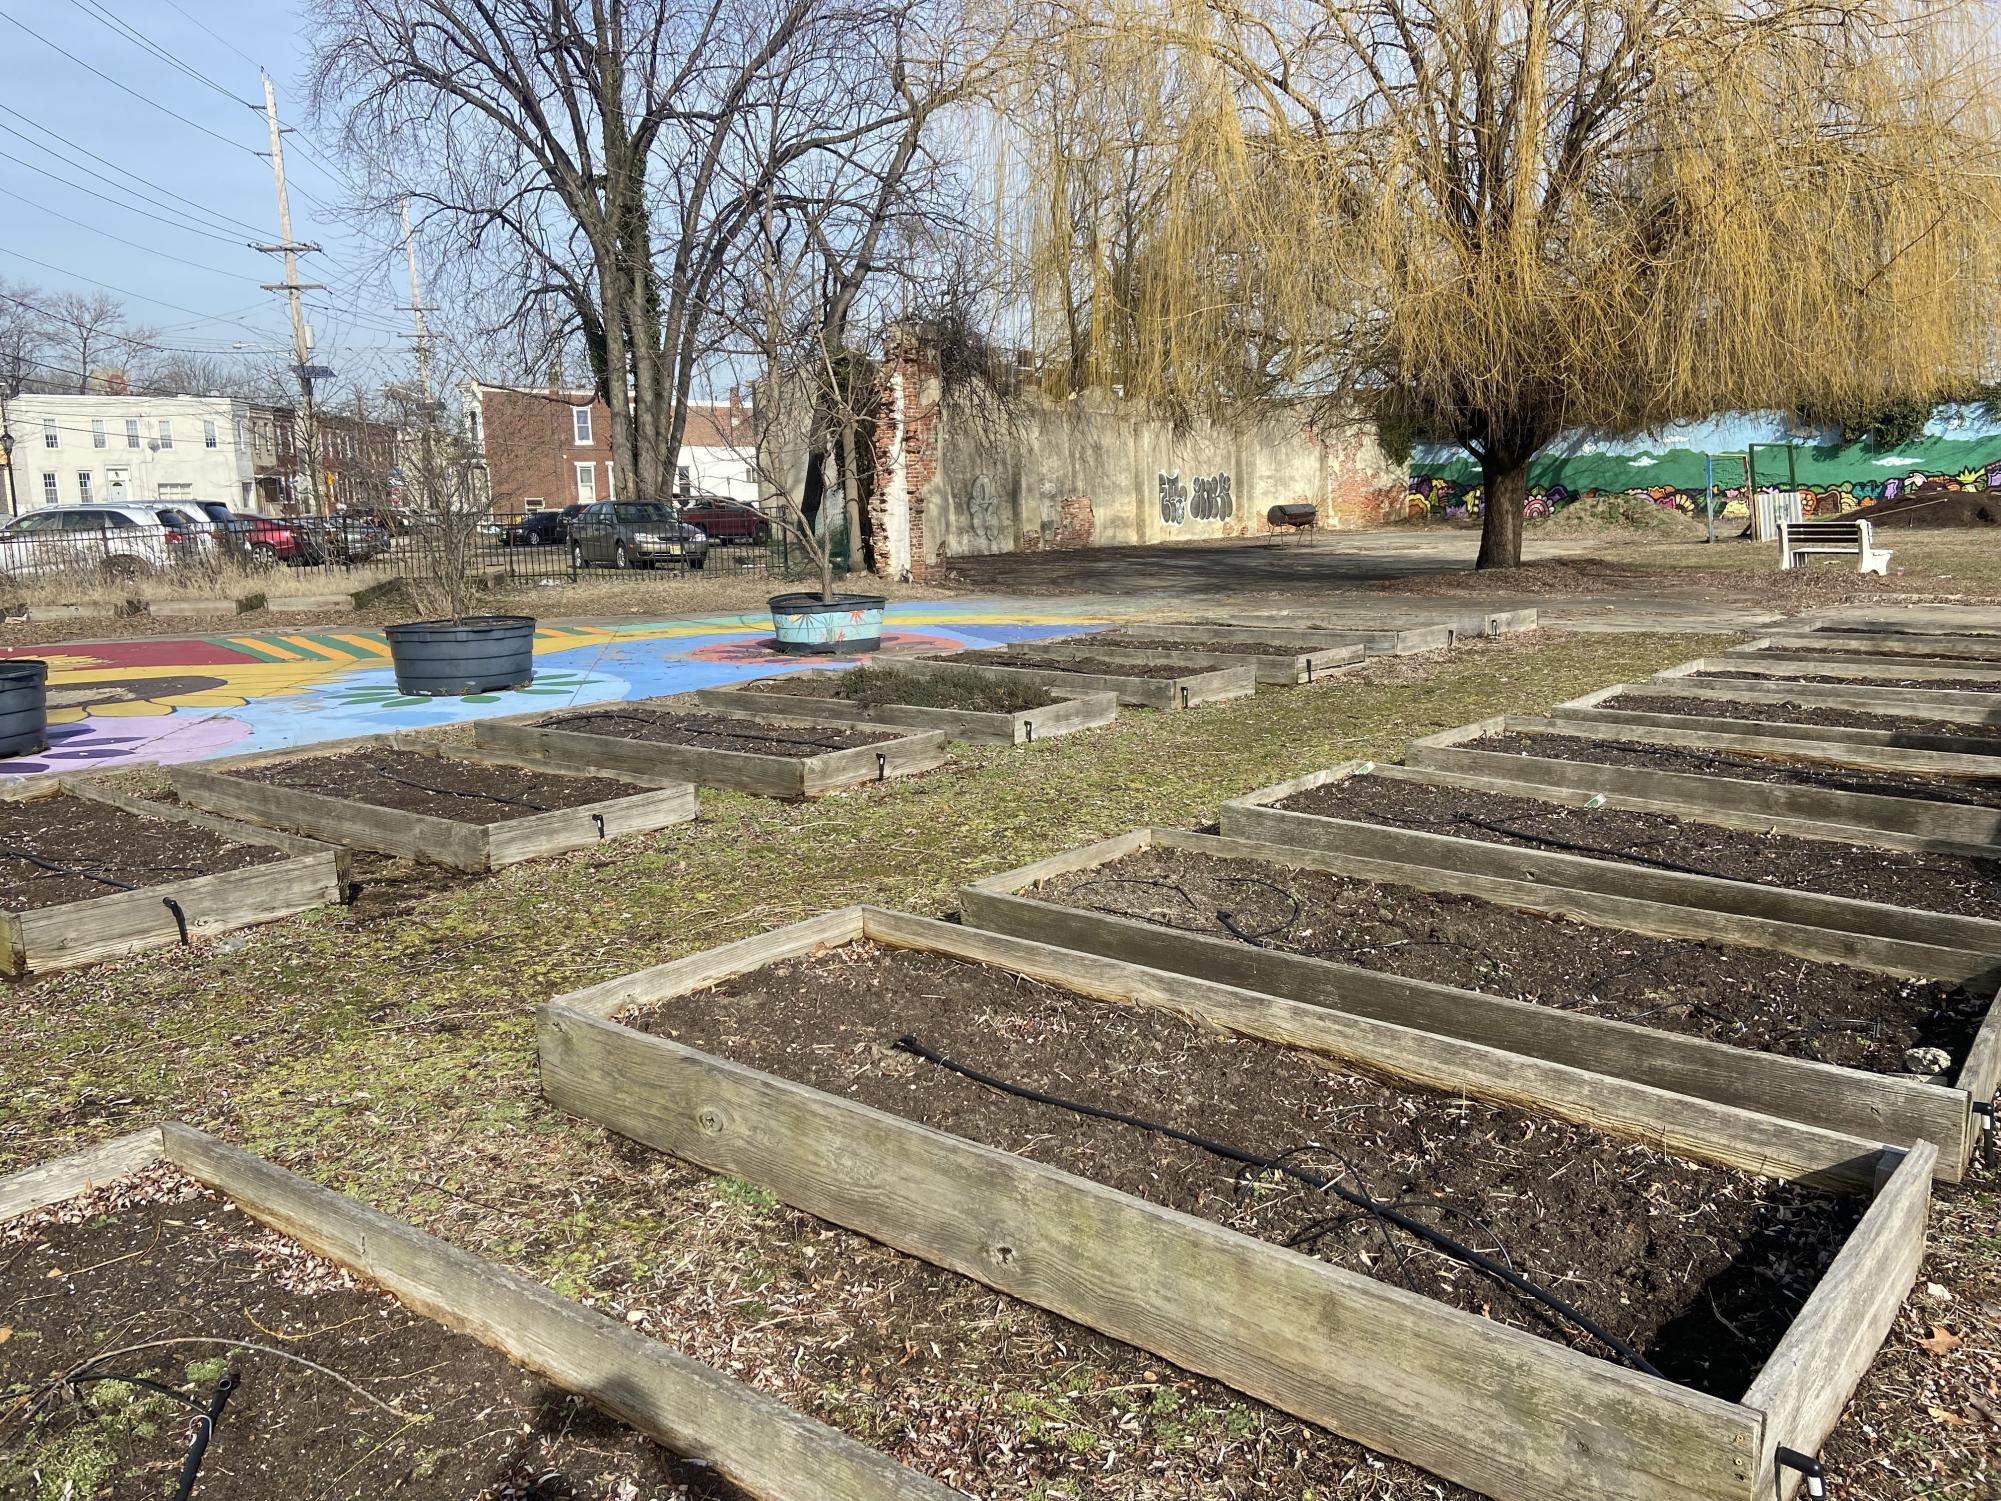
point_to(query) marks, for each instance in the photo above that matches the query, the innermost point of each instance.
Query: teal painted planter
(844, 626)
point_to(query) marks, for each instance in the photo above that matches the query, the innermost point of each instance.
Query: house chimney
(736, 409)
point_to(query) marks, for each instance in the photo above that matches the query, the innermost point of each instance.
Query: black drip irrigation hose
(1577, 847)
(490, 797)
(63, 870)
(1226, 920)
(1437, 1239)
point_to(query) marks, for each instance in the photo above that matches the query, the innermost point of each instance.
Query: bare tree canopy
(1486, 221)
(611, 166)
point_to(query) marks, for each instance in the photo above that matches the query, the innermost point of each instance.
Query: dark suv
(635, 534)
(542, 528)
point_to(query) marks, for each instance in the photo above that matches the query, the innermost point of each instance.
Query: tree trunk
(1504, 481)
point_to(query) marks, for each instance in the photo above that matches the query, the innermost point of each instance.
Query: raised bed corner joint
(1437, 1239)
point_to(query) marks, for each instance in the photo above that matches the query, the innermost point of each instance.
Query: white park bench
(1799, 540)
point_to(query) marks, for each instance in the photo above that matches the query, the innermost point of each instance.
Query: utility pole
(427, 410)
(302, 338)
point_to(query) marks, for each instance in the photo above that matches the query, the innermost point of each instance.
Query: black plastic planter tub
(846, 625)
(481, 654)
(24, 706)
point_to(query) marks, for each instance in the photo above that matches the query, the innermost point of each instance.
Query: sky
(173, 146)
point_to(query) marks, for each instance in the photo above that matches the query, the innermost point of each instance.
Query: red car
(726, 521)
(269, 538)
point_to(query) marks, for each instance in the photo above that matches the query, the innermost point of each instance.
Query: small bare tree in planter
(452, 650)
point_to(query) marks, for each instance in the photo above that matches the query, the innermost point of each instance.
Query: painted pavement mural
(127, 702)
(1960, 450)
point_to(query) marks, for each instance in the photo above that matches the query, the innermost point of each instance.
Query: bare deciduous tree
(1486, 221)
(87, 331)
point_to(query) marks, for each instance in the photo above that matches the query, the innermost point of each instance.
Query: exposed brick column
(906, 452)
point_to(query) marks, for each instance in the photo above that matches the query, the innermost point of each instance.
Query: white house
(70, 449)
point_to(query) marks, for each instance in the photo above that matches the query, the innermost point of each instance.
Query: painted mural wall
(1960, 450)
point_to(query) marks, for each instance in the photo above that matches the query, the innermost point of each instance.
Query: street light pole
(7, 453)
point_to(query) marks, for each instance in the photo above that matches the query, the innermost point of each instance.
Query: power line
(148, 188)
(120, 239)
(126, 89)
(126, 292)
(218, 37)
(97, 12)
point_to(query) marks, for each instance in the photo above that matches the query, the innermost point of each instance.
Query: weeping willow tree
(1488, 221)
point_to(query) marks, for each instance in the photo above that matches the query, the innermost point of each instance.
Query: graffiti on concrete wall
(1960, 450)
(983, 515)
(1207, 497)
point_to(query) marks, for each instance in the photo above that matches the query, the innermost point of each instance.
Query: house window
(52, 494)
(208, 433)
(131, 432)
(85, 490)
(177, 492)
(681, 478)
(97, 438)
(580, 419)
(51, 435)
(166, 433)
(610, 483)
(587, 483)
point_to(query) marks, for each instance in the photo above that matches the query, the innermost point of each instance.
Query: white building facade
(80, 449)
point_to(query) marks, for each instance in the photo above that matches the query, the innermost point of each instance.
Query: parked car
(635, 534)
(203, 537)
(228, 533)
(341, 539)
(122, 541)
(726, 521)
(542, 528)
(270, 539)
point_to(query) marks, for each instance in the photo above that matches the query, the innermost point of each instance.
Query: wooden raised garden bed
(1440, 628)
(1287, 664)
(1126, 897)
(779, 756)
(1479, 1400)
(1921, 708)
(301, 1417)
(1885, 742)
(1924, 673)
(1970, 649)
(1038, 713)
(68, 905)
(1541, 753)
(1375, 643)
(1146, 685)
(466, 809)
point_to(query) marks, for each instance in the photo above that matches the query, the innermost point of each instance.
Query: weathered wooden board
(1520, 1418)
(1062, 715)
(741, 771)
(1803, 662)
(1889, 643)
(753, 1440)
(654, 804)
(1147, 693)
(43, 940)
(1880, 1107)
(1953, 824)
(1822, 1357)
(1712, 698)
(1711, 717)
(1286, 670)
(1375, 643)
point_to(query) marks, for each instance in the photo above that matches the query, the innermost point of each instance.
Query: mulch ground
(62, 849)
(717, 731)
(477, 792)
(1912, 723)
(344, 1392)
(1752, 998)
(1700, 1267)
(1968, 792)
(1931, 882)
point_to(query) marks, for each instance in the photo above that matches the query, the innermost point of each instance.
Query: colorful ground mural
(187, 699)
(1960, 450)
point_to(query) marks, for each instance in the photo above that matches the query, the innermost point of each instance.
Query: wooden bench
(1799, 540)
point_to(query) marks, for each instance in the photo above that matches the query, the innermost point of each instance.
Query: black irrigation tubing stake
(490, 797)
(881, 767)
(1437, 1239)
(180, 917)
(204, 1431)
(598, 819)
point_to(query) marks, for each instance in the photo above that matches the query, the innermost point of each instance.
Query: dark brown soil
(1751, 998)
(1910, 723)
(1941, 685)
(1892, 628)
(872, 687)
(1233, 645)
(1743, 766)
(1876, 657)
(431, 1415)
(725, 732)
(100, 850)
(1699, 1267)
(1103, 666)
(1932, 883)
(1929, 507)
(440, 786)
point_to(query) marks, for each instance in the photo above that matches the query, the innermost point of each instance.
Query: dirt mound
(1934, 505)
(1615, 515)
